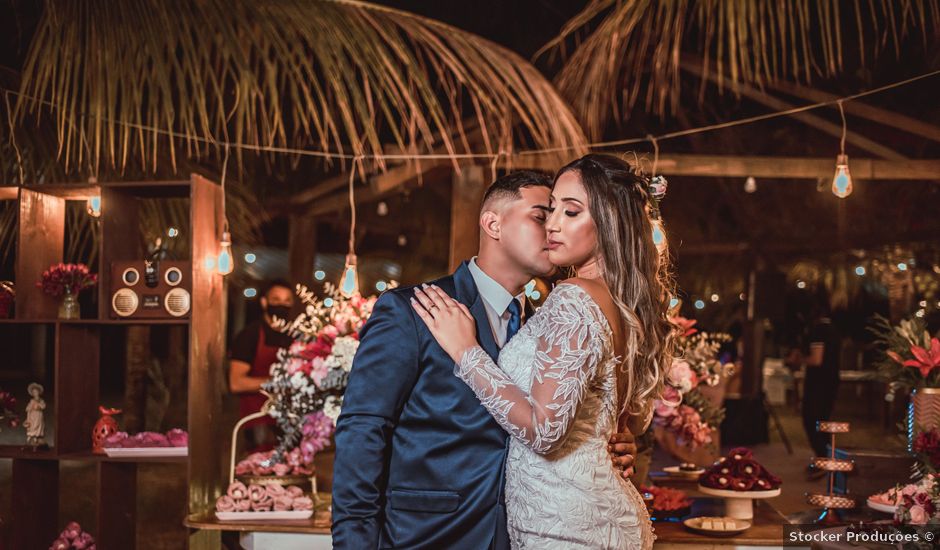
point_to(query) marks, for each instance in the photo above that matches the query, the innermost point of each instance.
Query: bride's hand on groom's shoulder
(622, 449)
(449, 321)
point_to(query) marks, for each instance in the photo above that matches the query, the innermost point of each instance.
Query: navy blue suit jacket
(419, 462)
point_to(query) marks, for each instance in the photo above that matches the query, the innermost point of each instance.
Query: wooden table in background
(766, 529)
(306, 534)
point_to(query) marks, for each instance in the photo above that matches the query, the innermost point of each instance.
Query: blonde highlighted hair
(636, 273)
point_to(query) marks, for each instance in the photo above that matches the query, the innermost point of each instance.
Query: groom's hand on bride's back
(622, 448)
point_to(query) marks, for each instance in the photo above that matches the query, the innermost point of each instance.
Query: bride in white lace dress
(594, 352)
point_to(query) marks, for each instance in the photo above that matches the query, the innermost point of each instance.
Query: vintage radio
(145, 289)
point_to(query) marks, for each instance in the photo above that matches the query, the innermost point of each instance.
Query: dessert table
(307, 534)
(766, 529)
(314, 533)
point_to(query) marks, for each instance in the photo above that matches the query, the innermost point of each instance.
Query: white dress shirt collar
(492, 292)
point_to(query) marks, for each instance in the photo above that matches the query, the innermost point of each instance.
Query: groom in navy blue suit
(419, 462)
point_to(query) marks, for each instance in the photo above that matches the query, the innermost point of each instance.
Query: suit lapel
(468, 295)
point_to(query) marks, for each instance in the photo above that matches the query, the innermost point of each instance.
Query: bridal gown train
(554, 391)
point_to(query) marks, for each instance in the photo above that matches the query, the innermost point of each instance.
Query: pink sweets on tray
(269, 502)
(147, 444)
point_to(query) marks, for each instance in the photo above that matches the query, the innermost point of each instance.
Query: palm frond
(632, 49)
(345, 76)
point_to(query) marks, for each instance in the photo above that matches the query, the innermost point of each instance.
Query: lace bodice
(571, 333)
(555, 392)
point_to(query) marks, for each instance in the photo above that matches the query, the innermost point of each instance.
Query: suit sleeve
(383, 374)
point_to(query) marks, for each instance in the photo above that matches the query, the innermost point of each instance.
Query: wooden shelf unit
(77, 362)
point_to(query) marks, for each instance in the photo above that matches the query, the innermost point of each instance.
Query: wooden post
(301, 248)
(41, 243)
(208, 450)
(468, 188)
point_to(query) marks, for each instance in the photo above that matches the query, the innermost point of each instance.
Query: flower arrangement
(315, 436)
(919, 503)
(8, 414)
(308, 380)
(72, 537)
(61, 279)
(7, 296)
(682, 409)
(910, 356)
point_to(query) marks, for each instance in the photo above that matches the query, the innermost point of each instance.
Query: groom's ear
(490, 224)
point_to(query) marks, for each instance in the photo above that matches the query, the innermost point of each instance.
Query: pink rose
(256, 493)
(225, 503)
(295, 491)
(918, 515)
(909, 490)
(72, 531)
(264, 504)
(243, 505)
(283, 503)
(274, 490)
(115, 439)
(83, 542)
(303, 503)
(178, 437)
(281, 469)
(681, 376)
(318, 370)
(237, 490)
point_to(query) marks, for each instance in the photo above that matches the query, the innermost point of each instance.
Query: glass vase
(69, 308)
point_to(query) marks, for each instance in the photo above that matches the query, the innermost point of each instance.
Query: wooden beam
(720, 166)
(467, 191)
(381, 185)
(819, 123)
(301, 248)
(863, 110)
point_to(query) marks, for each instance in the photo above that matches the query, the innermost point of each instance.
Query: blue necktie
(515, 319)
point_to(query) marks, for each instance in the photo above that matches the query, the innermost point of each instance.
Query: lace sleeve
(570, 342)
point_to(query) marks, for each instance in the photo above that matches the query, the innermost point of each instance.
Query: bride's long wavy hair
(638, 275)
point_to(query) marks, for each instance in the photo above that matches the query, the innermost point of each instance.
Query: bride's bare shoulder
(597, 290)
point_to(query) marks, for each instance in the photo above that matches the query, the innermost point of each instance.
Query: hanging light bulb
(659, 235)
(226, 262)
(842, 180)
(349, 284)
(750, 184)
(93, 206)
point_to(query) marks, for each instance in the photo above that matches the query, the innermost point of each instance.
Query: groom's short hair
(508, 186)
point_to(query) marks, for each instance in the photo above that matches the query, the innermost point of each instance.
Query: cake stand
(739, 504)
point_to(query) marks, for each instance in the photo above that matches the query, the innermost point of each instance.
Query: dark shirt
(245, 343)
(822, 332)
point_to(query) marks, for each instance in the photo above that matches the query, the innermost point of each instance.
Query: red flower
(928, 444)
(685, 325)
(321, 347)
(924, 360)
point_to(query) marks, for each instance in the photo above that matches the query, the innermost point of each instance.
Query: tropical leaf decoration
(632, 50)
(342, 76)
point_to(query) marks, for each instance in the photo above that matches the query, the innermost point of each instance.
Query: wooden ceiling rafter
(815, 121)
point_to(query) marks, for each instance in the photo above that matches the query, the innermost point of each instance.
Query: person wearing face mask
(253, 351)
